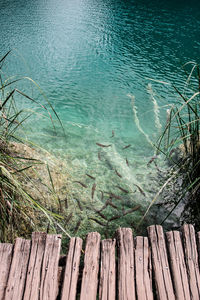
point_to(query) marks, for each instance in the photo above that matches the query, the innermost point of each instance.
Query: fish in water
(127, 162)
(90, 176)
(103, 207)
(157, 166)
(68, 218)
(128, 211)
(172, 151)
(93, 189)
(99, 155)
(114, 218)
(151, 160)
(109, 202)
(101, 145)
(97, 221)
(126, 147)
(123, 190)
(79, 204)
(81, 183)
(115, 196)
(141, 191)
(100, 214)
(113, 134)
(77, 226)
(118, 174)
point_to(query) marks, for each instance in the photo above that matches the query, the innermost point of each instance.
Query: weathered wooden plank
(126, 281)
(143, 270)
(177, 264)
(18, 270)
(5, 261)
(49, 272)
(160, 263)
(72, 269)
(108, 274)
(91, 267)
(32, 288)
(191, 260)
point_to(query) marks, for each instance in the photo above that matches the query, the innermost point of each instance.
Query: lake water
(93, 59)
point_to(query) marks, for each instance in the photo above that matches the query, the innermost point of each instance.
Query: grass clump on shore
(180, 143)
(23, 206)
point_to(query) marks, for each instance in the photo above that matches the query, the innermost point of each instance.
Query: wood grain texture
(163, 281)
(32, 288)
(49, 272)
(91, 267)
(5, 262)
(126, 281)
(108, 272)
(177, 264)
(72, 269)
(29, 270)
(143, 269)
(191, 260)
(18, 270)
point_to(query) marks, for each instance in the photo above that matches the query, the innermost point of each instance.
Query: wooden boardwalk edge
(72, 270)
(123, 269)
(107, 283)
(163, 281)
(126, 277)
(143, 269)
(5, 262)
(178, 266)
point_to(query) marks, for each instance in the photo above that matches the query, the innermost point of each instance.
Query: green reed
(180, 143)
(21, 212)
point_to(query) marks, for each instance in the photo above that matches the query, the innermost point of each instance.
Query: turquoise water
(90, 58)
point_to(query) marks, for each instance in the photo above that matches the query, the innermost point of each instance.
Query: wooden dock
(160, 266)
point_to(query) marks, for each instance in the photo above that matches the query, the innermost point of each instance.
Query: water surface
(90, 58)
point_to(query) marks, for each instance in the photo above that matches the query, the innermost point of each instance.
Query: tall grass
(20, 211)
(180, 143)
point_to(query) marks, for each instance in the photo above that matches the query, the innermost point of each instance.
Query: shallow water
(90, 58)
